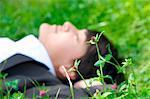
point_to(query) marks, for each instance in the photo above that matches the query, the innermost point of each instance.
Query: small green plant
(126, 88)
(9, 85)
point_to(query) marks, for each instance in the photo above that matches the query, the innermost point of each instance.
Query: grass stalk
(70, 83)
(84, 82)
(57, 93)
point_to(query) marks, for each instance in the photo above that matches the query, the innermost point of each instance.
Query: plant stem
(113, 64)
(135, 82)
(1, 90)
(115, 61)
(84, 82)
(100, 57)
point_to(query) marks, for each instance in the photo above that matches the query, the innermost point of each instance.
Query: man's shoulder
(16, 60)
(23, 67)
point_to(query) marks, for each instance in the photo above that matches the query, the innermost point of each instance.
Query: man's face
(65, 43)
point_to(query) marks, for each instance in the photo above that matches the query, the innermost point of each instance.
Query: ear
(61, 72)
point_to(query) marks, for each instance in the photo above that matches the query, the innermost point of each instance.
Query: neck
(50, 51)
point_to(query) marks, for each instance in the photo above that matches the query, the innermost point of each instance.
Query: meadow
(125, 22)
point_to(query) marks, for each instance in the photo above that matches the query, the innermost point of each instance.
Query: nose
(67, 24)
(70, 27)
(84, 30)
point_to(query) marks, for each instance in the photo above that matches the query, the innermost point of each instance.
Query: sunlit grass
(126, 23)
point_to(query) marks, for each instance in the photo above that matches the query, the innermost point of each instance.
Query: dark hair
(87, 68)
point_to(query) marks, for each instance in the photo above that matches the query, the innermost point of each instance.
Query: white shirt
(29, 46)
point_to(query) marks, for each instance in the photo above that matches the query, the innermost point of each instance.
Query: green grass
(125, 22)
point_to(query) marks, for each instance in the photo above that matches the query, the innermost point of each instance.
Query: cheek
(67, 48)
(70, 48)
(80, 51)
(63, 46)
(75, 50)
(67, 44)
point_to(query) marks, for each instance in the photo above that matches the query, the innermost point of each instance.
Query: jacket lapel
(14, 60)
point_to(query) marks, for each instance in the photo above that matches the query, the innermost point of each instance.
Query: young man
(31, 60)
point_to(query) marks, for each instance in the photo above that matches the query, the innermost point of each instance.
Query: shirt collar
(29, 46)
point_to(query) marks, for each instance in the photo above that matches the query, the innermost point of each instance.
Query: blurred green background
(125, 22)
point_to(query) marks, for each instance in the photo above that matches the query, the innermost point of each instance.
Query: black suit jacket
(32, 74)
